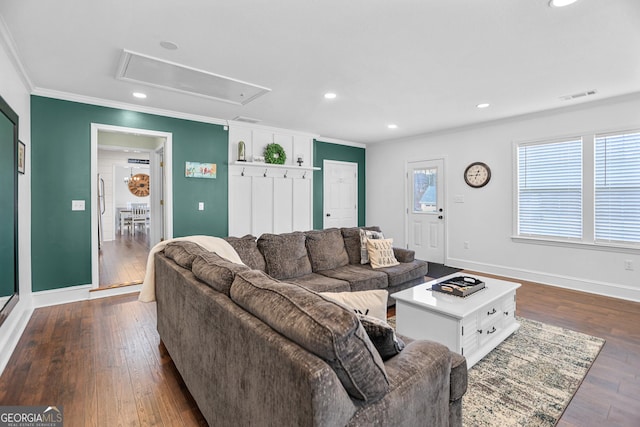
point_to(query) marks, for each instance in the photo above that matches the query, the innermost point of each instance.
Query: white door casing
(425, 217)
(340, 198)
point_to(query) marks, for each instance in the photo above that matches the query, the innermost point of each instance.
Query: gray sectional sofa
(256, 344)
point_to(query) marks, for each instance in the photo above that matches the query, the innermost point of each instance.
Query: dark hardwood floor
(102, 360)
(124, 260)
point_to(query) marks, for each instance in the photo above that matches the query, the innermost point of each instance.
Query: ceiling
(422, 65)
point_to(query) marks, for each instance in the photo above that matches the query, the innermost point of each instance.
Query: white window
(550, 189)
(617, 188)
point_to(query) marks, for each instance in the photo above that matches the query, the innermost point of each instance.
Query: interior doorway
(340, 187)
(132, 201)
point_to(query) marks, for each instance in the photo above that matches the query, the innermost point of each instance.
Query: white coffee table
(471, 326)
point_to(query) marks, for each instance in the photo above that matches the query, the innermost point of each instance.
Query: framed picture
(21, 157)
(200, 170)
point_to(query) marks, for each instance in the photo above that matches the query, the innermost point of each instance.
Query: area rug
(530, 378)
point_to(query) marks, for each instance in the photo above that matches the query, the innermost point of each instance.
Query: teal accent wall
(329, 151)
(61, 172)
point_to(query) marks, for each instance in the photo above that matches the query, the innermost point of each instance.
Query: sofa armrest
(404, 255)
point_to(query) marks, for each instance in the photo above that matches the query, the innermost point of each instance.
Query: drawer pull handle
(489, 313)
(491, 331)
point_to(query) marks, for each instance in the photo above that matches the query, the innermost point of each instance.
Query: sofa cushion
(326, 249)
(351, 237)
(247, 249)
(319, 283)
(382, 336)
(365, 235)
(285, 255)
(381, 253)
(403, 272)
(183, 252)
(216, 271)
(319, 325)
(359, 277)
(371, 303)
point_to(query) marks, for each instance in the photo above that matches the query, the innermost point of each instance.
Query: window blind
(550, 189)
(617, 188)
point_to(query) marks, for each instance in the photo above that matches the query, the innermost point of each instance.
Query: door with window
(425, 221)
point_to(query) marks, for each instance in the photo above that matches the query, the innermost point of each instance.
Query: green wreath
(274, 153)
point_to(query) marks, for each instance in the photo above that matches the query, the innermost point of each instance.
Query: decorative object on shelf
(477, 175)
(300, 161)
(241, 152)
(258, 159)
(200, 170)
(274, 153)
(139, 185)
(21, 157)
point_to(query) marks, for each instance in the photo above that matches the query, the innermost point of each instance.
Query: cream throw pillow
(371, 303)
(381, 253)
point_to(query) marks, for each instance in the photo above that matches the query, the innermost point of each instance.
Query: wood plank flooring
(124, 260)
(103, 361)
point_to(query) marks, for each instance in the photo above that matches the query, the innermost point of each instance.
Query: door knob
(440, 217)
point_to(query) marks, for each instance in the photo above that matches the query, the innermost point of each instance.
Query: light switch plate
(201, 206)
(77, 205)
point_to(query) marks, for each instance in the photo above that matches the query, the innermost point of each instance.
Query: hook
(304, 175)
(285, 173)
(242, 173)
(265, 173)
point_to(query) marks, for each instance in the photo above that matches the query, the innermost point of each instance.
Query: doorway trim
(168, 188)
(442, 202)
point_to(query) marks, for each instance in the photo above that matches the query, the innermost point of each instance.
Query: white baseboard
(60, 296)
(11, 331)
(110, 292)
(591, 286)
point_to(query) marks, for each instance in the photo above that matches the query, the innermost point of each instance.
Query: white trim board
(577, 284)
(12, 330)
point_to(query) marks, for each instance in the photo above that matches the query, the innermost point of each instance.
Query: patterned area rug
(530, 378)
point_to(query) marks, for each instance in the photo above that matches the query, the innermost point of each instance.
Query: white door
(340, 183)
(425, 210)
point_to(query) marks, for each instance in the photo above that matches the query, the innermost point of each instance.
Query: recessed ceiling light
(330, 95)
(392, 126)
(169, 45)
(483, 105)
(561, 3)
(140, 95)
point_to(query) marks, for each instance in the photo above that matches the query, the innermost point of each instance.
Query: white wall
(485, 219)
(15, 92)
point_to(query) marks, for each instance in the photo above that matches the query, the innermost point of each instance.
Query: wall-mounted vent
(135, 67)
(578, 95)
(246, 119)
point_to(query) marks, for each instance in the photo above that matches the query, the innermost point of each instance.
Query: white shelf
(271, 165)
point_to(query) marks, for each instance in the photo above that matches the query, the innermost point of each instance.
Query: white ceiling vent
(246, 119)
(135, 67)
(578, 95)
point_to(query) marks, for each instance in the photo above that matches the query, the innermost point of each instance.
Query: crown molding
(341, 142)
(254, 126)
(6, 40)
(66, 96)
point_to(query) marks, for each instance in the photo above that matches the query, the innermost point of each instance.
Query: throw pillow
(319, 325)
(371, 303)
(382, 336)
(381, 253)
(364, 236)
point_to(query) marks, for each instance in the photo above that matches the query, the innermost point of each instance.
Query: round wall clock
(477, 174)
(139, 185)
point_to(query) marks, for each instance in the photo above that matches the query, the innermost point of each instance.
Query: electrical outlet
(628, 264)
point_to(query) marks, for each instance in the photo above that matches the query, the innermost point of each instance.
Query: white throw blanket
(210, 243)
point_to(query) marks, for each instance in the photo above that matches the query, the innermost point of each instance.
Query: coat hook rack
(265, 173)
(242, 173)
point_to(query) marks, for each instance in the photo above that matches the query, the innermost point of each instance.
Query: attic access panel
(135, 67)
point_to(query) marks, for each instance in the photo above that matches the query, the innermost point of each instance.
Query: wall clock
(139, 185)
(477, 174)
